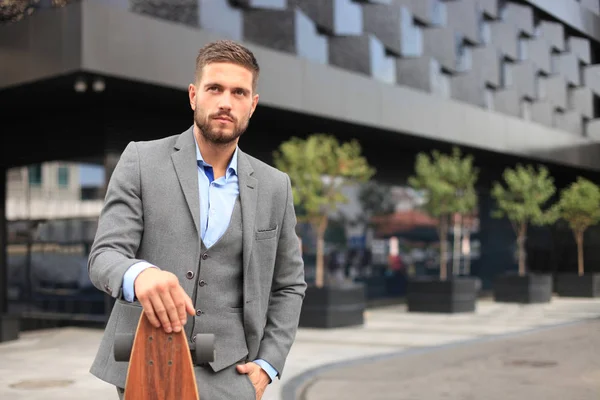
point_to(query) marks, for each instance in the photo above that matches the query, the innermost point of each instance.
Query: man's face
(223, 102)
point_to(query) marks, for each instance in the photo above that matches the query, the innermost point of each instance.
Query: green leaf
(319, 168)
(524, 194)
(579, 204)
(448, 182)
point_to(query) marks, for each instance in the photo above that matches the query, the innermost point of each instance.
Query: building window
(526, 110)
(523, 49)
(438, 13)
(507, 79)
(63, 176)
(35, 175)
(488, 98)
(485, 33)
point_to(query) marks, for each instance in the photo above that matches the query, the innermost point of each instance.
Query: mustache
(223, 114)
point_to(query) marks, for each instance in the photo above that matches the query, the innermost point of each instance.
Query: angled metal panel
(463, 16)
(553, 89)
(486, 61)
(427, 12)
(393, 25)
(581, 99)
(337, 17)
(262, 4)
(553, 33)
(569, 121)
(468, 88)
(572, 14)
(183, 11)
(519, 15)
(591, 78)
(43, 45)
(567, 65)
(592, 5)
(580, 47)
(442, 44)
(507, 101)
(506, 39)
(538, 51)
(220, 17)
(542, 112)
(524, 79)
(488, 7)
(415, 72)
(271, 28)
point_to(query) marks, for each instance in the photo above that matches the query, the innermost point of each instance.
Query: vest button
(198, 312)
(190, 274)
(204, 256)
(201, 283)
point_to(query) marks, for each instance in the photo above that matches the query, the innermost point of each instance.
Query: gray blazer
(152, 213)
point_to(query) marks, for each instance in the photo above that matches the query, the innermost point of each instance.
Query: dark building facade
(508, 81)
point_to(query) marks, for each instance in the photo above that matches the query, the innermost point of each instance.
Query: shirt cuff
(129, 279)
(267, 368)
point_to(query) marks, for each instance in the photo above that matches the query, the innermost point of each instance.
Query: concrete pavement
(551, 364)
(54, 364)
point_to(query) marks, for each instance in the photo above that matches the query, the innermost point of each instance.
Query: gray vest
(219, 294)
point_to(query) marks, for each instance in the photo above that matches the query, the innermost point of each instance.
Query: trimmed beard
(213, 135)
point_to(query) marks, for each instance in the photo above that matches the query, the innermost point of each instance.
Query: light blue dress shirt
(216, 206)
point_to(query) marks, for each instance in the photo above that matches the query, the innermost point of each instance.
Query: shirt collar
(232, 169)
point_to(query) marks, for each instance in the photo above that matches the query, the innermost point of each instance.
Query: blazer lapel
(248, 195)
(186, 167)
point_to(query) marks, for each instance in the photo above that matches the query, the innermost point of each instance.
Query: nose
(225, 101)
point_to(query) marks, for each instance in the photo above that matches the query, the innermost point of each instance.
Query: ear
(192, 95)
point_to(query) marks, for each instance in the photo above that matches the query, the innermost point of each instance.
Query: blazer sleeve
(287, 292)
(120, 226)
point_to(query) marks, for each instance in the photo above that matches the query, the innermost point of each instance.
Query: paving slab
(54, 364)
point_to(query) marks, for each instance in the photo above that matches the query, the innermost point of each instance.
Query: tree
(579, 205)
(319, 167)
(449, 185)
(375, 199)
(527, 192)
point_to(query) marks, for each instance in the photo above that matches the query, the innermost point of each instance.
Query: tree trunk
(521, 248)
(443, 232)
(320, 272)
(579, 240)
(457, 220)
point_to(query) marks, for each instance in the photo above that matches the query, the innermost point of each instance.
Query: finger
(178, 296)
(189, 306)
(149, 310)
(161, 311)
(171, 310)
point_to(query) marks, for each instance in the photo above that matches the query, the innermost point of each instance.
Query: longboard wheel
(123, 345)
(205, 348)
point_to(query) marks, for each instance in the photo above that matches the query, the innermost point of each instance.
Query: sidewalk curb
(290, 389)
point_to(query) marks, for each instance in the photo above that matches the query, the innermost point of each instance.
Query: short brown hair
(227, 51)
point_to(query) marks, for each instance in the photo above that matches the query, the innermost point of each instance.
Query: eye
(240, 92)
(213, 89)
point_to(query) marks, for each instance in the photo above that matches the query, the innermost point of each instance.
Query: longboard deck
(160, 366)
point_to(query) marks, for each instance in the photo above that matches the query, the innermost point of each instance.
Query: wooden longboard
(160, 366)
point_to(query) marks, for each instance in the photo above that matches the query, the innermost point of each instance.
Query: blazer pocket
(266, 234)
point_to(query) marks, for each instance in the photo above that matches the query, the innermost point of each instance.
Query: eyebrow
(212, 84)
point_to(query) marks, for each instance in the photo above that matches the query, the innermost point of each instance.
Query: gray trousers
(224, 385)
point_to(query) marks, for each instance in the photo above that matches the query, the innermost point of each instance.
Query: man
(201, 237)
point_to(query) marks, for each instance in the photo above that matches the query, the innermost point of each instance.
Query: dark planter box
(530, 288)
(375, 286)
(9, 327)
(573, 285)
(455, 295)
(333, 306)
